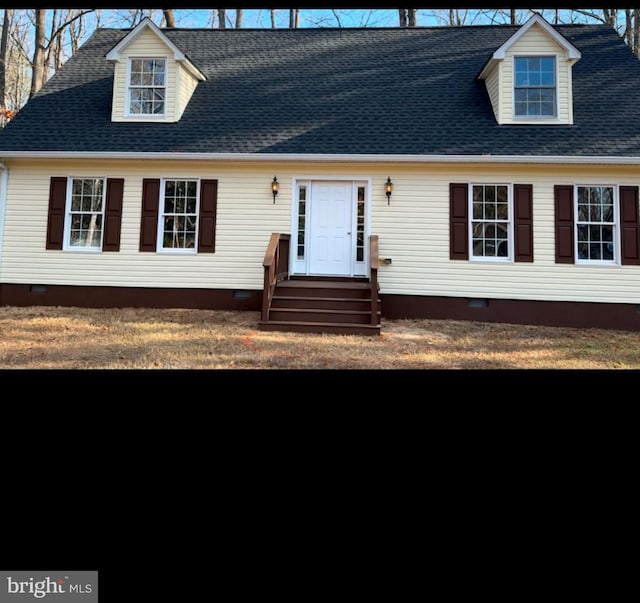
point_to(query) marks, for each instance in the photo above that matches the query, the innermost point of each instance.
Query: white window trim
(159, 232)
(533, 118)
(67, 216)
(616, 225)
(147, 116)
(510, 231)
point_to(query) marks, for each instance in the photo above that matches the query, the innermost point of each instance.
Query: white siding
(536, 41)
(186, 84)
(493, 88)
(413, 230)
(146, 44)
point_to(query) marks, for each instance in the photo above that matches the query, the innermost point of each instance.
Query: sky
(340, 17)
(358, 17)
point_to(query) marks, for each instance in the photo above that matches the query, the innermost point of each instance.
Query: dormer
(153, 79)
(529, 77)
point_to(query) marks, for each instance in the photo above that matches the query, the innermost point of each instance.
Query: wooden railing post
(276, 268)
(373, 263)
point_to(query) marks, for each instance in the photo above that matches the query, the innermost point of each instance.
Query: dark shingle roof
(338, 91)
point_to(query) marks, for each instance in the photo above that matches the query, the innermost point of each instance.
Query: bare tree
(407, 17)
(4, 52)
(239, 15)
(610, 16)
(457, 17)
(4, 56)
(76, 29)
(38, 63)
(53, 54)
(169, 17)
(133, 16)
(294, 18)
(55, 49)
(222, 18)
(628, 29)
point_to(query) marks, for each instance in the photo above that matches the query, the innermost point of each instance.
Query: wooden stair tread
(324, 305)
(321, 310)
(343, 328)
(317, 298)
(324, 285)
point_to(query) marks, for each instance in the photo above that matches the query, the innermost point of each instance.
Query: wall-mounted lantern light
(388, 189)
(274, 188)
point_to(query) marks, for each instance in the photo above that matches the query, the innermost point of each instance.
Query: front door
(330, 228)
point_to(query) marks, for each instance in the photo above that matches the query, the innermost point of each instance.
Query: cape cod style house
(329, 178)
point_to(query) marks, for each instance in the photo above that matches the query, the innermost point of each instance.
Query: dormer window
(147, 87)
(535, 86)
(153, 80)
(529, 77)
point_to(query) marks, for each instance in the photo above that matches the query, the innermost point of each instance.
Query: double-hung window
(535, 87)
(596, 224)
(490, 221)
(178, 219)
(147, 86)
(178, 215)
(84, 214)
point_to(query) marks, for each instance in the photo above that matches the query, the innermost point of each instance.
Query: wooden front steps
(323, 305)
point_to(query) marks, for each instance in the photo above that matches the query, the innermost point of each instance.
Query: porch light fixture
(274, 188)
(388, 189)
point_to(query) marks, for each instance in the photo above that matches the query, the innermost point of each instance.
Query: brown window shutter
(149, 219)
(55, 220)
(458, 221)
(563, 195)
(207, 220)
(113, 214)
(629, 225)
(523, 222)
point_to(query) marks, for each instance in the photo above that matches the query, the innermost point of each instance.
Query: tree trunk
(273, 18)
(239, 18)
(4, 55)
(169, 17)
(514, 17)
(627, 28)
(407, 17)
(610, 16)
(53, 49)
(222, 18)
(636, 31)
(75, 34)
(38, 66)
(294, 18)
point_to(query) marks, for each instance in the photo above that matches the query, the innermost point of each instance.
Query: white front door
(330, 228)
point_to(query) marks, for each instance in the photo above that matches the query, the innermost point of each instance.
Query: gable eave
(572, 52)
(114, 54)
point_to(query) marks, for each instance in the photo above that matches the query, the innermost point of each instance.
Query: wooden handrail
(276, 268)
(374, 260)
